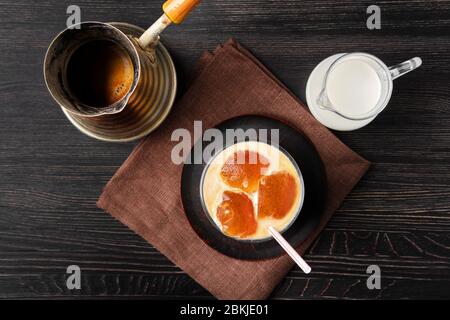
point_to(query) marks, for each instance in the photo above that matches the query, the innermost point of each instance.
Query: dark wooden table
(398, 216)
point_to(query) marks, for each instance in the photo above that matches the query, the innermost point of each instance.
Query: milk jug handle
(405, 67)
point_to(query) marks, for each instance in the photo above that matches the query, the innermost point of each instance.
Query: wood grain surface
(397, 217)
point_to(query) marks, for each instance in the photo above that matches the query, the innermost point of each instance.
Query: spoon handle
(289, 250)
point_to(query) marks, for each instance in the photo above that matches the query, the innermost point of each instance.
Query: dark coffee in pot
(100, 73)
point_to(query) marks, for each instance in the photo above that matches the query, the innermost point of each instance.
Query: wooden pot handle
(174, 11)
(178, 10)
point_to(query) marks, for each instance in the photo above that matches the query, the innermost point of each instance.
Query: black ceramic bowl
(305, 156)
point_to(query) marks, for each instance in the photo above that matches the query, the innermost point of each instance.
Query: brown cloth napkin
(144, 194)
